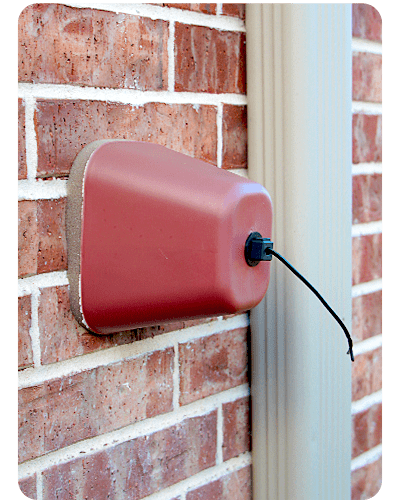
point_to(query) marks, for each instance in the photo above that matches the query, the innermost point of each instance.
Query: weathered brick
(367, 316)
(234, 10)
(42, 243)
(31, 422)
(61, 337)
(209, 60)
(366, 481)
(234, 136)
(52, 247)
(366, 429)
(28, 486)
(65, 127)
(24, 339)
(205, 8)
(233, 486)
(28, 238)
(22, 169)
(367, 22)
(64, 481)
(60, 44)
(236, 430)
(367, 138)
(367, 77)
(212, 364)
(366, 374)
(140, 467)
(367, 198)
(94, 402)
(366, 258)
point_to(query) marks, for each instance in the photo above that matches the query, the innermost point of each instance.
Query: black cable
(270, 251)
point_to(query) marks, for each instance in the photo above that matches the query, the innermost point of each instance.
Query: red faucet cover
(155, 236)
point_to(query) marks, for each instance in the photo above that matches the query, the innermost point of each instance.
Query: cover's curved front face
(155, 236)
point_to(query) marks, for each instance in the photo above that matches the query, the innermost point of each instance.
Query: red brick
(212, 364)
(236, 418)
(367, 316)
(366, 374)
(24, 339)
(234, 10)
(234, 136)
(367, 258)
(60, 335)
(28, 238)
(209, 60)
(94, 402)
(28, 486)
(52, 248)
(205, 8)
(22, 172)
(233, 486)
(366, 429)
(60, 44)
(367, 198)
(367, 77)
(195, 322)
(367, 138)
(42, 243)
(64, 481)
(367, 22)
(64, 127)
(31, 422)
(366, 481)
(140, 467)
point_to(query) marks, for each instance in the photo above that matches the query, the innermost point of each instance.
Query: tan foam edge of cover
(75, 192)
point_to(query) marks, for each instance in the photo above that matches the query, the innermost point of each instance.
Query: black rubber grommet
(247, 249)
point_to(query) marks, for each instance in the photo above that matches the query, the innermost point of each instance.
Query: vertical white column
(299, 125)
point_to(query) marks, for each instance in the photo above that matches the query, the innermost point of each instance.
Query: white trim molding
(299, 125)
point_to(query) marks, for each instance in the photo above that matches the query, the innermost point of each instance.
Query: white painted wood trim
(299, 126)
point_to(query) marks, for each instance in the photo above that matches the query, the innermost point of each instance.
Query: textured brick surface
(234, 10)
(367, 138)
(205, 8)
(367, 198)
(28, 486)
(21, 140)
(212, 364)
(367, 316)
(28, 238)
(139, 467)
(367, 77)
(42, 243)
(367, 22)
(209, 60)
(52, 248)
(234, 136)
(236, 418)
(366, 481)
(233, 486)
(366, 429)
(63, 411)
(366, 374)
(367, 258)
(24, 339)
(60, 44)
(61, 337)
(65, 127)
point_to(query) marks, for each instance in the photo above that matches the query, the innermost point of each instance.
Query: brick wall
(367, 252)
(159, 412)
